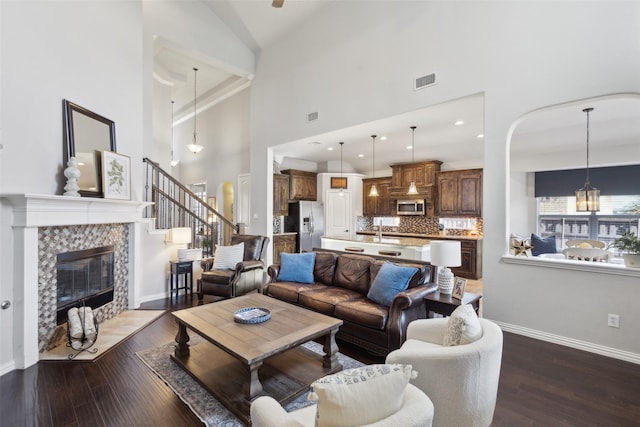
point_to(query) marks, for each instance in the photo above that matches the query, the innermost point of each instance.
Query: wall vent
(424, 81)
(312, 116)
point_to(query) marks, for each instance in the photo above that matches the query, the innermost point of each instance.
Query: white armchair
(461, 381)
(416, 411)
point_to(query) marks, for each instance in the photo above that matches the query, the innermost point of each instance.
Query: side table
(185, 268)
(436, 302)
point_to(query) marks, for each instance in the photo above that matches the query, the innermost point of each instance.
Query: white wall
(522, 204)
(223, 130)
(523, 56)
(51, 51)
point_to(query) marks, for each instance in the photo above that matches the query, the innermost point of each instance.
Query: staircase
(175, 205)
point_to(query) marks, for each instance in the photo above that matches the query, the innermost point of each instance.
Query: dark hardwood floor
(541, 384)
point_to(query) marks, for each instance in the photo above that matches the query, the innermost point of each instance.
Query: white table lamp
(445, 253)
(180, 235)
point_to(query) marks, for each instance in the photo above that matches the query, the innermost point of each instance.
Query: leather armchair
(247, 276)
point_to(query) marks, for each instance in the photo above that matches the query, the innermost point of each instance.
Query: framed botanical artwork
(458, 288)
(339, 182)
(116, 176)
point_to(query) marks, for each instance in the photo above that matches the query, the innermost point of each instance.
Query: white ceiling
(559, 131)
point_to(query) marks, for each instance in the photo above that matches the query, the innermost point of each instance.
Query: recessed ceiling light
(330, 148)
(459, 122)
(409, 147)
(360, 155)
(383, 138)
(480, 135)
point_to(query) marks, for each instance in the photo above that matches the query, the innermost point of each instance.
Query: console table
(443, 304)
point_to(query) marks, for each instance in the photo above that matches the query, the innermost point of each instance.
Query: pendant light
(374, 190)
(173, 161)
(194, 147)
(341, 193)
(588, 197)
(412, 187)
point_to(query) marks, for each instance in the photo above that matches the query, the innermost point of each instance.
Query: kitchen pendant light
(374, 190)
(412, 187)
(194, 147)
(173, 161)
(341, 193)
(588, 197)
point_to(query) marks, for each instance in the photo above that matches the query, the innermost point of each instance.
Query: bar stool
(354, 249)
(390, 253)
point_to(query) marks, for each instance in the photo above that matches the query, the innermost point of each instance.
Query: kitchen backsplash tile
(419, 225)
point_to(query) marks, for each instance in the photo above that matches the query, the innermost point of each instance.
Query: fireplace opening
(85, 277)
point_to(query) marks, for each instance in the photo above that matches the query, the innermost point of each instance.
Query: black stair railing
(175, 205)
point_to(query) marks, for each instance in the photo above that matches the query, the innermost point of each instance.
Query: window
(386, 221)
(618, 214)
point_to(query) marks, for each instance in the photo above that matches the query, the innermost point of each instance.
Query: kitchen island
(408, 247)
(413, 246)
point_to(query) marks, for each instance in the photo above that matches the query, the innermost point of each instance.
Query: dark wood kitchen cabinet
(381, 205)
(283, 243)
(303, 185)
(471, 257)
(280, 195)
(460, 193)
(422, 173)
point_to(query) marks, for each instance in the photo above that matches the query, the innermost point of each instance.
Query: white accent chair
(416, 411)
(585, 243)
(587, 254)
(462, 380)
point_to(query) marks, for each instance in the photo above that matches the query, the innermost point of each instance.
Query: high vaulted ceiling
(554, 137)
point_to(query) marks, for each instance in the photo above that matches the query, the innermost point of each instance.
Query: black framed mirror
(87, 134)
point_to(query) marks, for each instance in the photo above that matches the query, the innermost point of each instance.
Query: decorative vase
(72, 173)
(631, 260)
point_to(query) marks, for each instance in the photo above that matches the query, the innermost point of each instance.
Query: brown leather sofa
(342, 282)
(248, 275)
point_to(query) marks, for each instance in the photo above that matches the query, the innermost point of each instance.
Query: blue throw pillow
(543, 245)
(391, 280)
(297, 267)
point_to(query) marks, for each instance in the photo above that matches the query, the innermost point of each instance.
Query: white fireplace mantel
(37, 210)
(31, 211)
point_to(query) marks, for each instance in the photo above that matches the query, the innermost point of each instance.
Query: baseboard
(570, 342)
(155, 297)
(7, 367)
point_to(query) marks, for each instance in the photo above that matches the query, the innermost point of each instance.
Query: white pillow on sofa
(463, 326)
(360, 396)
(226, 257)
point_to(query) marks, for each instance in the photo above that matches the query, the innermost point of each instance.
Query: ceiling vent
(424, 81)
(311, 117)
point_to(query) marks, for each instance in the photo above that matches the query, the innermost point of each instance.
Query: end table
(185, 268)
(436, 302)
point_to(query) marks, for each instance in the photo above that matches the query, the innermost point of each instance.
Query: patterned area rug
(204, 405)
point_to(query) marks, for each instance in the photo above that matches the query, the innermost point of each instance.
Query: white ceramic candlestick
(72, 173)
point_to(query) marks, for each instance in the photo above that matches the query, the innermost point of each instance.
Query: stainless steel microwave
(410, 207)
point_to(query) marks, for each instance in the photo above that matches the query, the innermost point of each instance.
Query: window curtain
(611, 181)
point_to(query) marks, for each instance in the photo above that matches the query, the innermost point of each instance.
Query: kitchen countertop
(388, 240)
(285, 233)
(419, 236)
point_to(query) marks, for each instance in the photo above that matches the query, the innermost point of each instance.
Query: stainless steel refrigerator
(307, 219)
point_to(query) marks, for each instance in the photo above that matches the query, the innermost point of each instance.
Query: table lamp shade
(179, 235)
(445, 253)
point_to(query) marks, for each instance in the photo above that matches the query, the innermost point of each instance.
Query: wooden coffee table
(240, 362)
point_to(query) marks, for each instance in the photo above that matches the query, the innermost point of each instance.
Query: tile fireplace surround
(42, 223)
